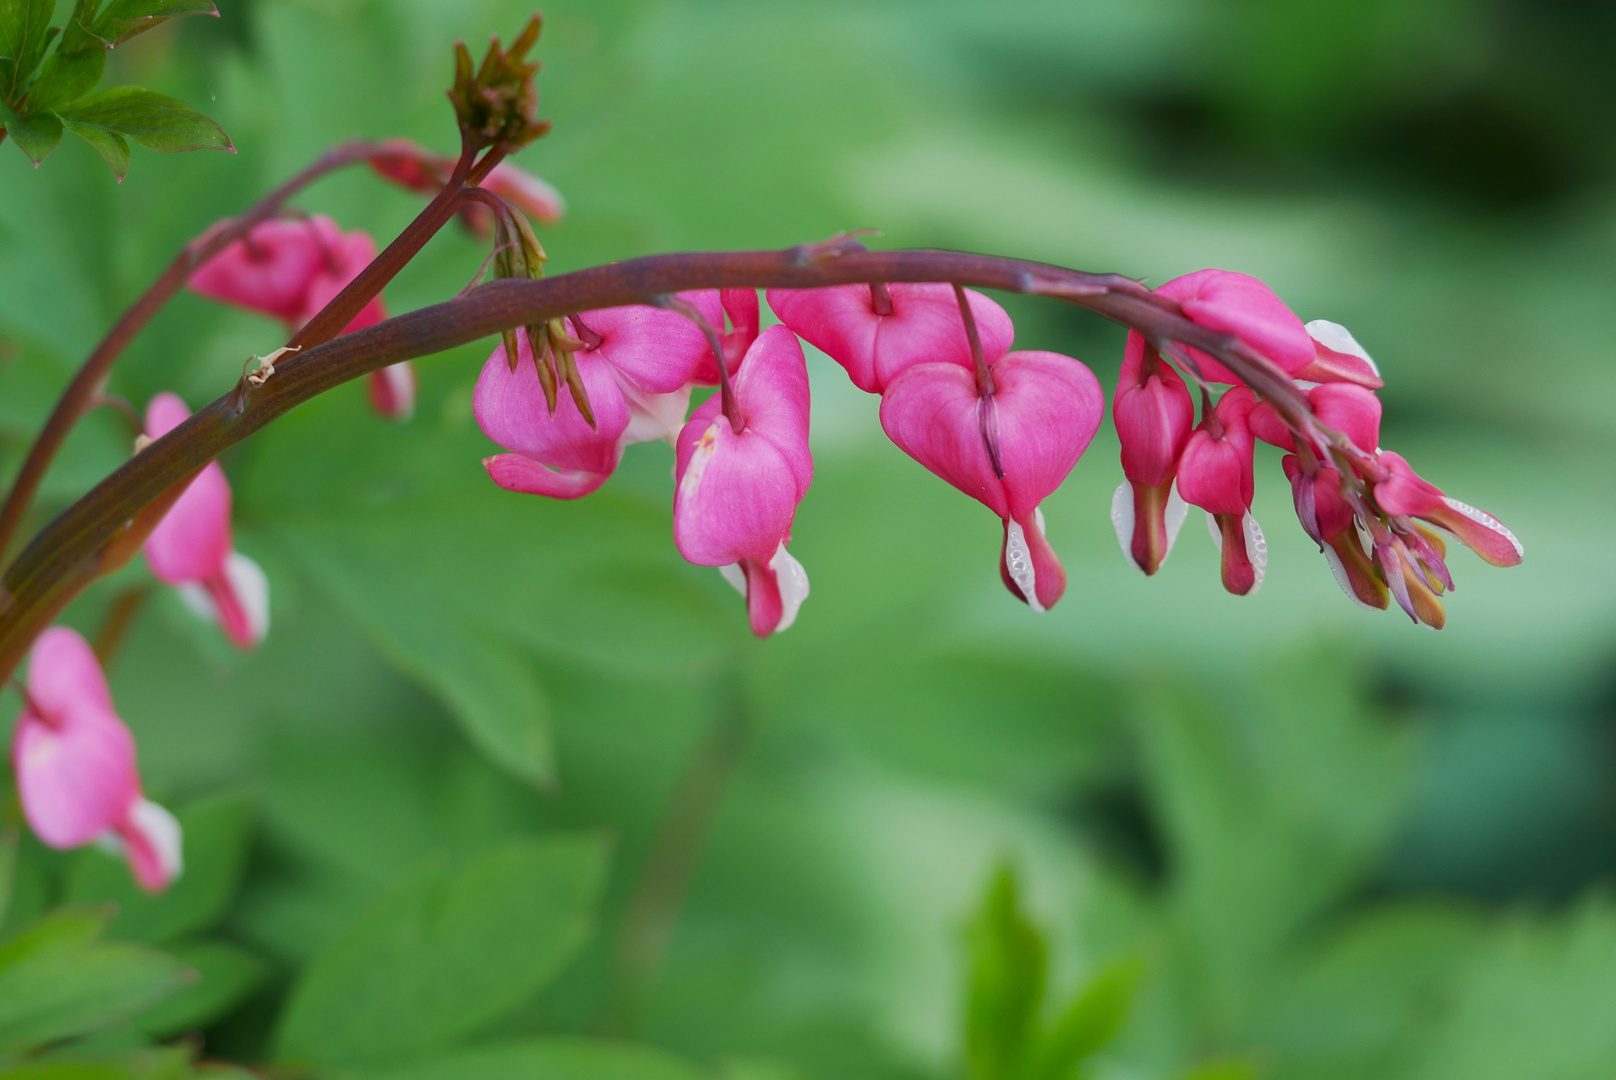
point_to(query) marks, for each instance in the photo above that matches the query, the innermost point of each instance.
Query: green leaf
(226, 974)
(1009, 962)
(113, 148)
(35, 135)
(157, 1064)
(441, 955)
(25, 32)
(66, 77)
(156, 122)
(58, 980)
(550, 1058)
(123, 19)
(216, 831)
(1091, 1021)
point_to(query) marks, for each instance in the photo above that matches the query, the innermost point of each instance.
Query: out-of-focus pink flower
(343, 257)
(1154, 413)
(191, 547)
(637, 368)
(75, 764)
(418, 169)
(924, 326)
(268, 272)
(1239, 304)
(392, 391)
(741, 307)
(1405, 494)
(1215, 473)
(1009, 450)
(737, 492)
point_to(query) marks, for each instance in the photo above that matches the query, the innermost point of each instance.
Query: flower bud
(1153, 412)
(1215, 472)
(1234, 303)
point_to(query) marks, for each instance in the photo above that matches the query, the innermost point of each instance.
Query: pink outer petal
(193, 540)
(271, 275)
(534, 197)
(738, 491)
(152, 843)
(925, 327)
(1266, 424)
(513, 472)
(511, 410)
(75, 765)
(1216, 474)
(345, 257)
(1153, 417)
(1406, 492)
(655, 350)
(392, 391)
(1235, 303)
(1352, 410)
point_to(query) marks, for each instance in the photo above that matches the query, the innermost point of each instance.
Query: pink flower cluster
(1370, 514)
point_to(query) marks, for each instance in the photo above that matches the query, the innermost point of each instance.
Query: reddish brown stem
(81, 393)
(120, 617)
(112, 518)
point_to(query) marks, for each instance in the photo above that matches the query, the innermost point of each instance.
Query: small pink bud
(1405, 493)
(1336, 532)
(924, 326)
(1215, 473)
(1044, 411)
(392, 391)
(1234, 303)
(737, 491)
(412, 166)
(1154, 413)
(1337, 357)
(75, 763)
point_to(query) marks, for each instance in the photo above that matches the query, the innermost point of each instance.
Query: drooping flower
(192, 550)
(922, 326)
(418, 169)
(1215, 472)
(1337, 357)
(1009, 449)
(75, 764)
(1319, 496)
(1154, 413)
(637, 366)
(1239, 304)
(738, 483)
(1405, 494)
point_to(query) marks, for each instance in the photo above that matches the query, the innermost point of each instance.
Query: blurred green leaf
(226, 974)
(552, 1058)
(443, 955)
(123, 19)
(159, 1064)
(216, 830)
(57, 979)
(1009, 963)
(1088, 1023)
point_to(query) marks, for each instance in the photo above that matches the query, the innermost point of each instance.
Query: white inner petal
(1338, 338)
(197, 601)
(162, 832)
(1019, 561)
(735, 576)
(1340, 571)
(1177, 511)
(793, 581)
(1122, 520)
(700, 455)
(251, 586)
(1256, 550)
(655, 416)
(1481, 517)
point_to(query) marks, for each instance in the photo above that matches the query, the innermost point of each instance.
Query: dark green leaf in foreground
(443, 955)
(25, 33)
(226, 974)
(216, 830)
(65, 77)
(123, 19)
(551, 1058)
(58, 980)
(35, 135)
(156, 1064)
(156, 122)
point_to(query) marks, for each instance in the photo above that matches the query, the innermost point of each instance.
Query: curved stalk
(110, 522)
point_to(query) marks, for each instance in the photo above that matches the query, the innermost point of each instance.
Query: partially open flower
(738, 489)
(1009, 450)
(1405, 494)
(191, 548)
(75, 764)
(876, 340)
(1215, 473)
(1154, 413)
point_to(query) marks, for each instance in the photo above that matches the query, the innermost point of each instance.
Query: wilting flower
(75, 764)
(191, 548)
(1009, 449)
(1215, 472)
(290, 270)
(1234, 303)
(637, 365)
(923, 325)
(738, 483)
(1154, 413)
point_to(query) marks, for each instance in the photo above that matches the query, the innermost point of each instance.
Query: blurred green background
(1339, 846)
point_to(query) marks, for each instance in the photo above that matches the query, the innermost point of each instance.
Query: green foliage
(443, 955)
(546, 1059)
(59, 979)
(41, 96)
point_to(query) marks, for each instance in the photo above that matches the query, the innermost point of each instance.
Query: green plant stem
(670, 865)
(82, 393)
(80, 543)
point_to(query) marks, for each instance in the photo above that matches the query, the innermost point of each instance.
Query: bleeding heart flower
(923, 326)
(75, 764)
(1233, 303)
(1154, 413)
(637, 366)
(191, 547)
(1340, 406)
(418, 169)
(1405, 494)
(737, 490)
(1337, 357)
(1008, 450)
(1319, 497)
(1215, 473)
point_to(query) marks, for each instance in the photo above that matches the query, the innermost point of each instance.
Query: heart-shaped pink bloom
(392, 391)
(1154, 413)
(737, 491)
(1215, 473)
(1406, 493)
(924, 327)
(741, 307)
(192, 549)
(1239, 304)
(268, 272)
(343, 257)
(637, 371)
(1041, 416)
